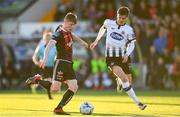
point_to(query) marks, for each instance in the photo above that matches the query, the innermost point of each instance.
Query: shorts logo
(60, 72)
(59, 75)
(116, 36)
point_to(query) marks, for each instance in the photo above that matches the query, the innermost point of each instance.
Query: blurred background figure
(99, 78)
(47, 72)
(175, 75)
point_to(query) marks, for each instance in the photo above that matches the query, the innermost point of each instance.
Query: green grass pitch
(106, 103)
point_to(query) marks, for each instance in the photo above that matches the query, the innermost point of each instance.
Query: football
(86, 108)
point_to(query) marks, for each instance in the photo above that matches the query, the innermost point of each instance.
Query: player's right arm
(51, 43)
(46, 52)
(101, 32)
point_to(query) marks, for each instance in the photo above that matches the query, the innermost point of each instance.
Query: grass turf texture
(106, 103)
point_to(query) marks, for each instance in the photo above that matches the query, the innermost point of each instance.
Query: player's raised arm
(80, 41)
(102, 30)
(46, 52)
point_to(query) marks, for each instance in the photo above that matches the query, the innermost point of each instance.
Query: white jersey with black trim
(117, 38)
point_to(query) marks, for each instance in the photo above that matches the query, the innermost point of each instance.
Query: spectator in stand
(153, 9)
(176, 30)
(64, 7)
(171, 37)
(110, 12)
(2, 56)
(175, 75)
(148, 40)
(151, 64)
(141, 9)
(164, 8)
(160, 43)
(9, 71)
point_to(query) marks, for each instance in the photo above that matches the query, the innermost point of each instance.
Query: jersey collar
(63, 29)
(120, 25)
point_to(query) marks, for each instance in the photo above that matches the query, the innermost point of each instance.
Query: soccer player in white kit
(120, 40)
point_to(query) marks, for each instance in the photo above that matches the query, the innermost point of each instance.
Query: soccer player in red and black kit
(63, 69)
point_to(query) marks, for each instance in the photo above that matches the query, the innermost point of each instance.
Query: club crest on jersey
(123, 32)
(116, 36)
(70, 43)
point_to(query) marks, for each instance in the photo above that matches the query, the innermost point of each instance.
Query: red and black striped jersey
(63, 44)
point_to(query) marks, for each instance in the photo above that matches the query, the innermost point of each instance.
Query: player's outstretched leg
(126, 86)
(129, 90)
(34, 79)
(37, 79)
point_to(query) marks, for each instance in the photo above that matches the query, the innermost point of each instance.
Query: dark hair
(71, 17)
(123, 11)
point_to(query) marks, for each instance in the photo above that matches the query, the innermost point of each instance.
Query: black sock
(45, 84)
(66, 98)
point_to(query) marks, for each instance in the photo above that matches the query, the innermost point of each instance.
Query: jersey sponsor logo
(59, 75)
(116, 36)
(60, 72)
(70, 43)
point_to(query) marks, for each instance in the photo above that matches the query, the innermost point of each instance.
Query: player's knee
(73, 87)
(124, 79)
(54, 90)
(115, 70)
(127, 88)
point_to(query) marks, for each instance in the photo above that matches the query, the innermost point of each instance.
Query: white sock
(131, 92)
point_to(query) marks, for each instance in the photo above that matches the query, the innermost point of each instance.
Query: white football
(86, 108)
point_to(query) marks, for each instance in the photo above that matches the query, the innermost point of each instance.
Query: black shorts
(47, 72)
(111, 61)
(63, 71)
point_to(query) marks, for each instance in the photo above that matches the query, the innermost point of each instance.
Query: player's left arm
(130, 45)
(80, 41)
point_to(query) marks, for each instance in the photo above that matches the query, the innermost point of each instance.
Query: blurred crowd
(156, 24)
